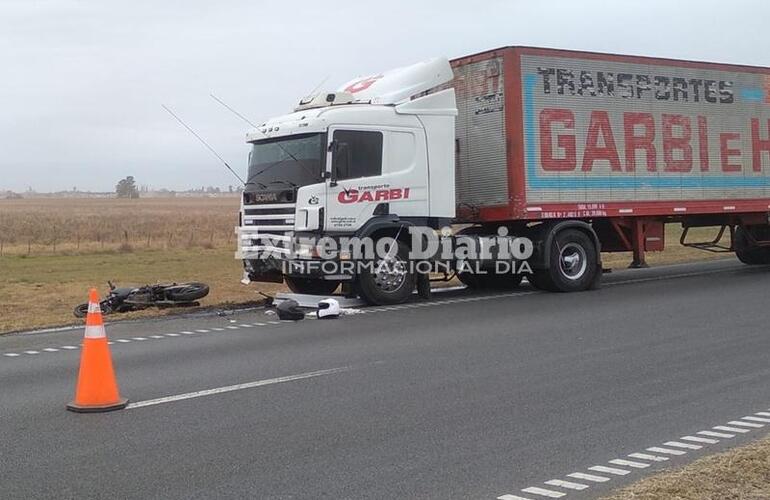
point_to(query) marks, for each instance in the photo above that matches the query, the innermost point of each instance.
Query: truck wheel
(572, 263)
(389, 280)
(311, 286)
(490, 281)
(746, 252)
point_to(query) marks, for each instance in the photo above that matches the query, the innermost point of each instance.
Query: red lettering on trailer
(758, 145)
(563, 142)
(725, 152)
(703, 143)
(671, 144)
(600, 125)
(644, 142)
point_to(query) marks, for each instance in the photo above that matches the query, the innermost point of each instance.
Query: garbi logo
(355, 196)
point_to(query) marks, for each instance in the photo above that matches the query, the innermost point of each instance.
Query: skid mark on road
(621, 467)
(162, 336)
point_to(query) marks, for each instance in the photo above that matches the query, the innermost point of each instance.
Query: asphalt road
(464, 397)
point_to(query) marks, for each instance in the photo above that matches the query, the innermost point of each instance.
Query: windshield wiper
(276, 163)
(281, 181)
(257, 183)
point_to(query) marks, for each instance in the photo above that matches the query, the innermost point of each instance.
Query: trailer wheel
(748, 253)
(388, 280)
(573, 263)
(311, 286)
(490, 281)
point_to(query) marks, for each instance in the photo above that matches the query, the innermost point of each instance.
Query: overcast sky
(82, 82)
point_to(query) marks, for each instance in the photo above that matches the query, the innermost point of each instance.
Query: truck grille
(265, 230)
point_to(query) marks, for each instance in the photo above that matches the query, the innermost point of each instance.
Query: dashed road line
(731, 429)
(687, 446)
(33, 352)
(654, 454)
(698, 439)
(543, 492)
(589, 477)
(716, 434)
(566, 484)
(757, 419)
(629, 463)
(666, 451)
(609, 470)
(645, 456)
(746, 424)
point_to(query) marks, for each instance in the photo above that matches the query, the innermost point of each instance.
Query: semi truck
(578, 153)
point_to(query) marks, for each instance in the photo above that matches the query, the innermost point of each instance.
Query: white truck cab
(368, 158)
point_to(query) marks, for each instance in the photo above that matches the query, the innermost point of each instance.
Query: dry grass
(38, 226)
(53, 250)
(739, 474)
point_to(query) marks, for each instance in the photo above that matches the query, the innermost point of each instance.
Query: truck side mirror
(339, 160)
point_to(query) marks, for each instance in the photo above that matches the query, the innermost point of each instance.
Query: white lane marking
(123, 341)
(69, 347)
(244, 325)
(274, 322)
(31, 352)
(746, 424)
(567, 484)
(232, 327)
(11, 354)
(138, 338)
(187, 332)
(730, 429)
(156, 336)
(217, 329)
(237, 387)
(202, 330)
(51, 349)
(645, 456)
(589, 477)
(172, 335)
(260, 324)
(715, 434)
(666, 451)
(629, 463)
(697, 439)
(511, 497)
(757, 419)
(610, 470)
(763, 414)
(543, 492)
(110, 342)
(687, 446)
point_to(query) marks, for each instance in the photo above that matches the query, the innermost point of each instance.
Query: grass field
(55, 249)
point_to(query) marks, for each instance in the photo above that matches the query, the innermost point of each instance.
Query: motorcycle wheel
(187, 292)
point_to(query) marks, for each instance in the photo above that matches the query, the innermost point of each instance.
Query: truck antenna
(220, 101)
(203, 142)
(286, 151)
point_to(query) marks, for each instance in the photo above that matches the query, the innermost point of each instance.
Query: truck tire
(573, 263)
(311, 286)
(490, 281)
(746, 252)
(390, 281)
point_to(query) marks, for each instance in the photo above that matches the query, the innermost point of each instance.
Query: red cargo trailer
(626, 143)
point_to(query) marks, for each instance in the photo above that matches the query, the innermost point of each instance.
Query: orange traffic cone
(97, 389)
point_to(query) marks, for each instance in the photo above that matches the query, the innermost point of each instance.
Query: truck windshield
(295, 160)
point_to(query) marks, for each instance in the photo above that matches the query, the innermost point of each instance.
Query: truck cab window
(364, 153)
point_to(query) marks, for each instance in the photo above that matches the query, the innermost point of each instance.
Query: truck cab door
(373, 172)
